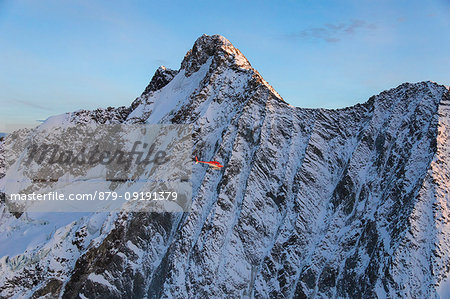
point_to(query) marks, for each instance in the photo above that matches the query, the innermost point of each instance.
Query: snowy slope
(340, 203)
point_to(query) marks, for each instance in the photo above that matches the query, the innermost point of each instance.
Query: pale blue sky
(58, 56)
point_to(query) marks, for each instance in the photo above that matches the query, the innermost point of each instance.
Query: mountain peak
(160, 79)
(217, 46)
(346, 203)
(210, 41)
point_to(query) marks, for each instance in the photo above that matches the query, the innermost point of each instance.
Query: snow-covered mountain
(342, 203)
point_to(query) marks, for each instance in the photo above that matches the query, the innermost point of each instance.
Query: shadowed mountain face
(340, 203)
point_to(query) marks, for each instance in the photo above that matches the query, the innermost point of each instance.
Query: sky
(61, 56)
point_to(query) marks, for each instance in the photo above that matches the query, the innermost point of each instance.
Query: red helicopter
(213, 164)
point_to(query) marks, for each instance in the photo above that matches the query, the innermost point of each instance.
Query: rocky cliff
(342, 203)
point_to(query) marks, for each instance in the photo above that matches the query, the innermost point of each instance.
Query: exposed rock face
(340, 203)
(160, 79)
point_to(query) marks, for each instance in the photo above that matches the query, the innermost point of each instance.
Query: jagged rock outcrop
(342, 203)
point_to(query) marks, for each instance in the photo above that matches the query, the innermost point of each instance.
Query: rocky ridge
(351, 202)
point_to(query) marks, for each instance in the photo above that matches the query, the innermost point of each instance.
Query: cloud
(32, 104)
(332, 33)
(161, 62)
